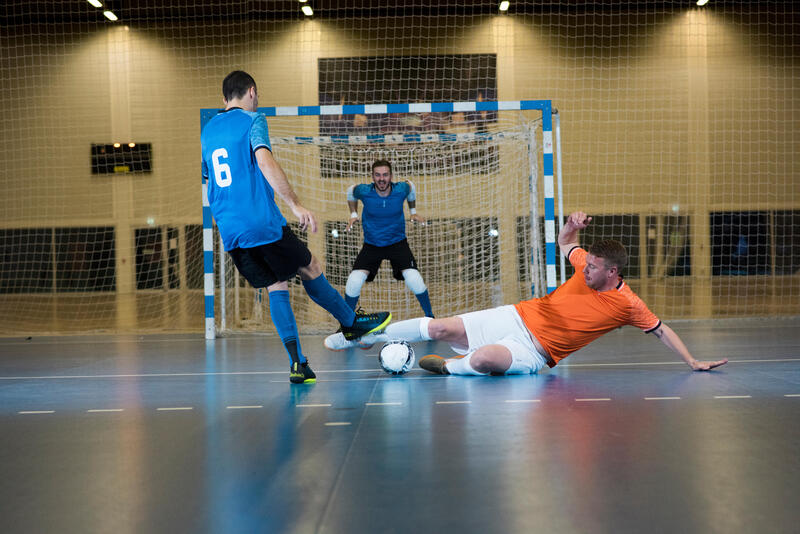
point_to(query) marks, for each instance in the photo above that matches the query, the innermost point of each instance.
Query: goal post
(486, 188)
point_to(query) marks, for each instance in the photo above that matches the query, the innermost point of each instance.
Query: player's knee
(312, 270)
(491, 359)
(414, 281)
(354, 283)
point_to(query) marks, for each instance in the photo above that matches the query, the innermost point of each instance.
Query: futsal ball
(396, 357)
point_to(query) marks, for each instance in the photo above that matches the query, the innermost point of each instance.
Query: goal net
(477, 181)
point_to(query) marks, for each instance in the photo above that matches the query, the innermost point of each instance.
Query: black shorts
(268, 264)
(399, 255)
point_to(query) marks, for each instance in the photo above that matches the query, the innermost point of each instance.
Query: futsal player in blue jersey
(243, 178)
(384, 225)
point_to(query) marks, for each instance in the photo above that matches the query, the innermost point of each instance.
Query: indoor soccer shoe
(301, 373)
(434, 364)
(337, 342)
(366, 323)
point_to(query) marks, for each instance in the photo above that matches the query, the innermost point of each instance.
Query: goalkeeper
(525, 337)
(384, 234)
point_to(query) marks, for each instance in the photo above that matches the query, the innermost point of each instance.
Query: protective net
(679, 128)
(476, 188)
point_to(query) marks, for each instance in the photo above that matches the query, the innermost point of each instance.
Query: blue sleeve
(259, 134)
(205, 168)
(359, 191)
(411, 193)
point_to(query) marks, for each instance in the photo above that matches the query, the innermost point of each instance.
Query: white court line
(523, 400)
(662, 398)
(372, 370)
(33, 412)
(245, 407)
(312, 405)
(454, 402)
(338, 423)
(174, 408)
(103, 410)
(732, 397)
(601, 399)
(160, 375)
(383, 403)
(792, 395)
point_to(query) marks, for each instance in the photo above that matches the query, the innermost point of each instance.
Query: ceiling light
(702, 2)
(504, 5)
(307, 11)
(95, 3)
(109, 15)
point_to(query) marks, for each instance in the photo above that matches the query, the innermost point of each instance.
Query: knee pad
(354, 283)
(414, 281)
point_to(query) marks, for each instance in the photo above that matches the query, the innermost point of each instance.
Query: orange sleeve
(577, 257)
(641, 316)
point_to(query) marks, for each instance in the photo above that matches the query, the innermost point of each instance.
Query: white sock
(461, 366)
(411, 330)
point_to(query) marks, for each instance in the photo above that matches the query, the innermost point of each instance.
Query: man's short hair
(236, 84)
(382, 163)
(612, 252)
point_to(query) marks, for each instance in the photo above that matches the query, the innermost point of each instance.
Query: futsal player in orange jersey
(525, 337)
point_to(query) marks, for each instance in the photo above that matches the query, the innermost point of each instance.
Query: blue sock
(329, 299)
(425, 302)
(351, 301)
(280, 308)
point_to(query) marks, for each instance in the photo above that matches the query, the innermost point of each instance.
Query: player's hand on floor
(707, 366)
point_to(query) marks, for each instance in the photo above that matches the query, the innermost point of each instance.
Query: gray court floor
(175, 434)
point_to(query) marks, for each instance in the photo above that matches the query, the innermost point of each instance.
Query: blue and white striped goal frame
(545, 106)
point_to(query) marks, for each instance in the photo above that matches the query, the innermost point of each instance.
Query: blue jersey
(241, 199)
(382, 217)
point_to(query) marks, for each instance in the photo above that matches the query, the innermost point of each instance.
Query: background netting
(473, 188)
(680, 136)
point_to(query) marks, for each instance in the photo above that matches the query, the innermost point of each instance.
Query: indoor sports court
(145, 388)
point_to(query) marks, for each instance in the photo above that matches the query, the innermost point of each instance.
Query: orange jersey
(574, 315)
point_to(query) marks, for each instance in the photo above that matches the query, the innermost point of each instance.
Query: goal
(483, 173)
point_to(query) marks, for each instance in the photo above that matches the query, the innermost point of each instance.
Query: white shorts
(502, 326)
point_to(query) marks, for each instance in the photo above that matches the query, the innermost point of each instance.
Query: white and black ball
(396, 357)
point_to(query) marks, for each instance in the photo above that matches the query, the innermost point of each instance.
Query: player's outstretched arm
(669, 338)
(274, 174)
(568, 236)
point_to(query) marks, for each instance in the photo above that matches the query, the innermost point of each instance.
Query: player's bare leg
(485, 360)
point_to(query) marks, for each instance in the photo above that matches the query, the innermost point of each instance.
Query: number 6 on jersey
(222, 171)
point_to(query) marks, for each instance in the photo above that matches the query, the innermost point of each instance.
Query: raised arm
(352, 205)
(568, 236)
(274, 174)
(412, 204)
(669, 338)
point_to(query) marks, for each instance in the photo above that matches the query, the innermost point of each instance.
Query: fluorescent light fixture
(95, 3)
(302, 1)
(131, 145)
(117, 145)
(109, 15)
(702, 2)
(505, 3)
(307, 11)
